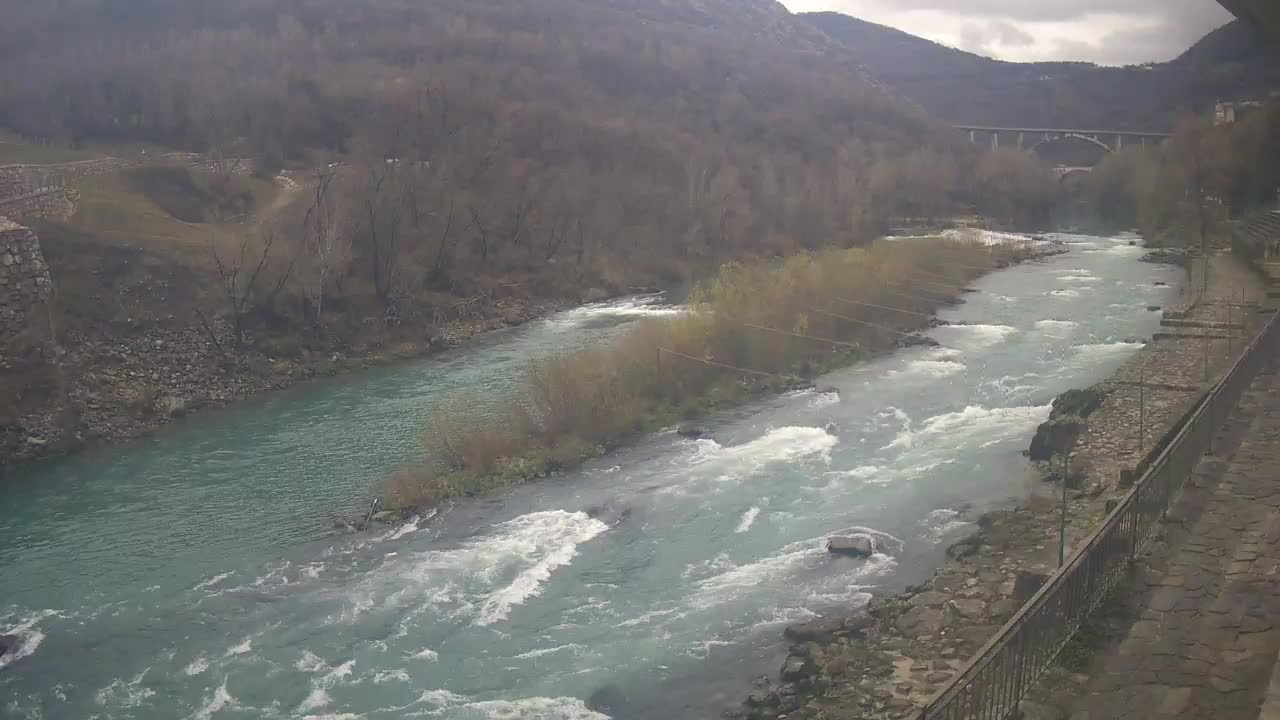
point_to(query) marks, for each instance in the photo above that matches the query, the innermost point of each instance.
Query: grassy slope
(19, 153)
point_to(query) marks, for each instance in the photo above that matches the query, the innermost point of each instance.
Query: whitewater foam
(748, 518)
(737, 582)
(994, 424)
(646, 306)
(425, 654)
(827, 399)
(1056, 324)
(28, 633)
(563, 532)
(242, 648)
(123, 694)
(975, 337)
(212, 581)
(941, 523)
(930, 369)
(874, 474)
(573, 648)
(1063, 293)
(196, 667)
(221, 700)
(777, 445)
(382, 677)
(1105, 351)
(538, 708)
(986, 237)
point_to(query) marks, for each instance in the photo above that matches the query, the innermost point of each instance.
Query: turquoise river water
(197, 574)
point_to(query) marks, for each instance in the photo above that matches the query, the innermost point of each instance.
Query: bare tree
(240, 279)
(328, 241)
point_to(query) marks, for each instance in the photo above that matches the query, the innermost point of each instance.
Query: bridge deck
(1124, 133)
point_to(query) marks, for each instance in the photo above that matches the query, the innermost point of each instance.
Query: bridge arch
(1071, 136)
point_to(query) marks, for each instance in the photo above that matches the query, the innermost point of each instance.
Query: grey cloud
(987, 38)
(1062, 10)
(1104, 31)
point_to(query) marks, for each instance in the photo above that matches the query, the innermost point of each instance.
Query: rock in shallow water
(859, 546)
(607, 699)
(819, 630)
(8, 644)
(689, 430)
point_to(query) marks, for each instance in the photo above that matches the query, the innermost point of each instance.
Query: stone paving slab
(1206, 640)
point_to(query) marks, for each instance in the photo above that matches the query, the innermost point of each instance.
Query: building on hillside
(1228, 113)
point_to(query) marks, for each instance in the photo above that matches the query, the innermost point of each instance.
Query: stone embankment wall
(25, 285)
(33, 191)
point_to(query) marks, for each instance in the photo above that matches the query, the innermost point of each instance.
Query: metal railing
(1006, 668)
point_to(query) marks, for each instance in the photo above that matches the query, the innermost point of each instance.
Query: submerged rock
(607, 699)
(859, 546)
(689, 430)
(8, 644)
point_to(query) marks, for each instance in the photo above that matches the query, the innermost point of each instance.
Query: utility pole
(1062, 527)
(1142, 411)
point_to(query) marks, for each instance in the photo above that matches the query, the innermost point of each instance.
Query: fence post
(1062, 529)
(1133, 525)
(1142, 412)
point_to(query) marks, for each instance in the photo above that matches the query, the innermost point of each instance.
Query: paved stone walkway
(1206, 642)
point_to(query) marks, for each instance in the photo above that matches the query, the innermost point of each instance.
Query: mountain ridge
(1234, 62)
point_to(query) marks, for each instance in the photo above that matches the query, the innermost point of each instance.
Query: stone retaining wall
(23, 180)
(25, 285)
(48, 203)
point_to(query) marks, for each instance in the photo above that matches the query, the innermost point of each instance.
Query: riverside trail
(196, 575)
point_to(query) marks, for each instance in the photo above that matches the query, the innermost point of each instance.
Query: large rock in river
(8, 644)
(859, 546)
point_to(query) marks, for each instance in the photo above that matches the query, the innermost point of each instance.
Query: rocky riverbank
(888, 659)
(125, 386)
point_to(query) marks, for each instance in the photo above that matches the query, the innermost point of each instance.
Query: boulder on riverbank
(859, 546)
(910, 341)
(1065, 423)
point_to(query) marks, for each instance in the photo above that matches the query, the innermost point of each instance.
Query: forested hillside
(1234, 62)
(584, 143)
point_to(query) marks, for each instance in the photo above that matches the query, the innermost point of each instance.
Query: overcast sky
(1108, 32)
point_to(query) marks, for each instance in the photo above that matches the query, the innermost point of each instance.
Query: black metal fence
(1002, 672)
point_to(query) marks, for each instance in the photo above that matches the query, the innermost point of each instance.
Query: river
(196, 574)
